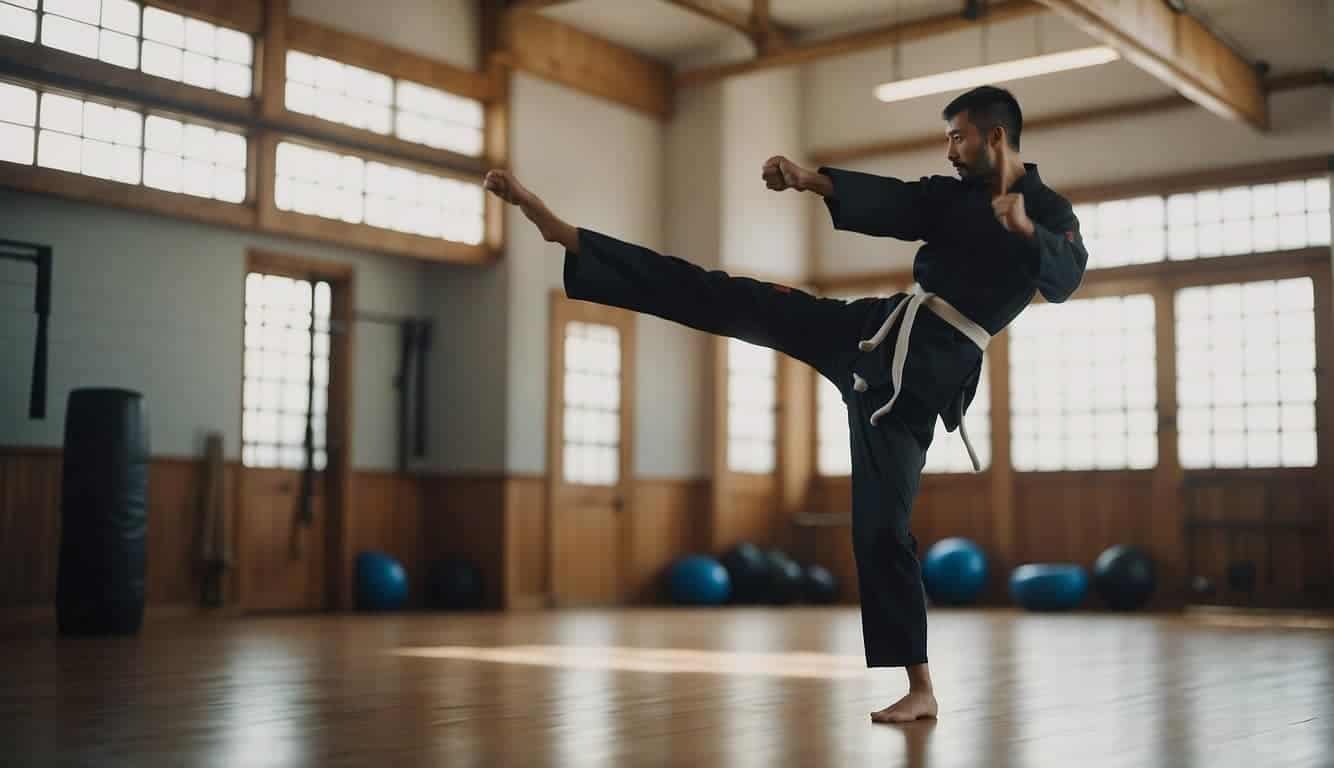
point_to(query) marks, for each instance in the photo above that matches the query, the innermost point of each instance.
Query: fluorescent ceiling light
(995, 73)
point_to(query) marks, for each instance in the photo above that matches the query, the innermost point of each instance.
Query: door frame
(338, 439)
(563, 310)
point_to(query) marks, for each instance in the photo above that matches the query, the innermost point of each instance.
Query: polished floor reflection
(750, 687)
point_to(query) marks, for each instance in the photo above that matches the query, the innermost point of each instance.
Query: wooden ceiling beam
(561, 53)
(757, 25)
(1177, 49)
(879, 37)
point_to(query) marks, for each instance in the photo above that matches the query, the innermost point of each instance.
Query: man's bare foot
(916, 705)
(505, 186)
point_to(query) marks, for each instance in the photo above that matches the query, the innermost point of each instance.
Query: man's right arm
(880, 206)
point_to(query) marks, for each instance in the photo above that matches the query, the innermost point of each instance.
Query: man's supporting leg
(887, 463)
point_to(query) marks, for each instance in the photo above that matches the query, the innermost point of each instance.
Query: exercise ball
(748, 571)
(819, 585)
(382, 584)
(698, 580)
(1049, 586)
(455, 584)
(785, 578)
(954, 572)
(1123, 577)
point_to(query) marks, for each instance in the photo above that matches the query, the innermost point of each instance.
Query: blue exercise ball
(954, 571)
(699, 580)
(382, 584)
(1049, 586)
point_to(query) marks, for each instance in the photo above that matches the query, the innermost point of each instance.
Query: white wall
(598, 166)
(157, 305)
(763, 232)
(441, 29)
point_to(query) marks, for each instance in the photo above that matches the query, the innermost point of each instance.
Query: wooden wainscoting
(30, 531)
(670, 519)
(498, 521)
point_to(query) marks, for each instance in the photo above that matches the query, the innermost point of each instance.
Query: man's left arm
(1057, 257)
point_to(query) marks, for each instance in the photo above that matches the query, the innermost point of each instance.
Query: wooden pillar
(1167, 543)
(1004, 531)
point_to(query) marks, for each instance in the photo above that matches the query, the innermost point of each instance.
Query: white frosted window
(947, 452)
(278, 388)
(194, 159)
(1083, 390)
(752, 390)
(197, 52)
(322, 183)
(339, 93)
(342, 93)
(124, 33)
(1211, 222)
(89, 138)
(591, 432)
(18, 121)
(1119, 232)
(1246, 379)
(18, 19)
(437, 118)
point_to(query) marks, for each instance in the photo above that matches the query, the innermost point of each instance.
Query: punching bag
(103, 514)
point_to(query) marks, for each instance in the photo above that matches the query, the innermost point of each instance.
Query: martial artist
(993, 238)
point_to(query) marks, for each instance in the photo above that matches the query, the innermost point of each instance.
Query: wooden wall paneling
(464, 516)
(29, 527)
(525, 544)
(670, 521)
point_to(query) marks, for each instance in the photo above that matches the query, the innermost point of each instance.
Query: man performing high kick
(994, 237)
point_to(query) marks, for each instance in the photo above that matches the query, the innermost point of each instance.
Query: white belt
(946, 311)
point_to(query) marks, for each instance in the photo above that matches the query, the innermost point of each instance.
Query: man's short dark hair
(988, 106)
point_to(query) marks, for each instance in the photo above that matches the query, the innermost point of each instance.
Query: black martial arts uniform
(981, 275)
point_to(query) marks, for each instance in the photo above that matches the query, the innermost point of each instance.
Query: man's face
(969, 151)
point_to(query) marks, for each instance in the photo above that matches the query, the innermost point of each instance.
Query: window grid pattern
(342, 93)
(752, 388)
(126, 34)
(947, 452)
(1083, 378)
(321, 183)
(1213, 222)
(1246, 382)
(18, 19)
(591, 433)
(278, 354)
(119, 144)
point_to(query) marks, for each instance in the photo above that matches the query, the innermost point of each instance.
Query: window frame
(264, 121)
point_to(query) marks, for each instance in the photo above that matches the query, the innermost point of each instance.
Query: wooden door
(590, 435)
(289, 554)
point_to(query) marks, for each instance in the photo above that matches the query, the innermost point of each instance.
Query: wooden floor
(752, 687)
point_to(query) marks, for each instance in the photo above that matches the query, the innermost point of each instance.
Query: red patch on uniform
(781, 288)
(1070, 236)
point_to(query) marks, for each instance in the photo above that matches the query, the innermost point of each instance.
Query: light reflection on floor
(822, 666)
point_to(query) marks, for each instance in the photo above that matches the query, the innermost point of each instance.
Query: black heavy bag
(103, 514)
